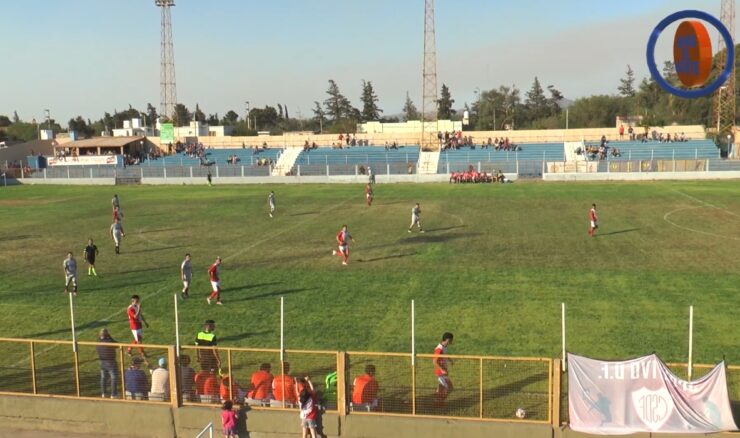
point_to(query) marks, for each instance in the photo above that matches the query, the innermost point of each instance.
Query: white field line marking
(667, 215)
(242, 251)
(705, 203)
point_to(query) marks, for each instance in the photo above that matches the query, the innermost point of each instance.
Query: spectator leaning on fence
(365, 390)
(136, 382)
(108, 365)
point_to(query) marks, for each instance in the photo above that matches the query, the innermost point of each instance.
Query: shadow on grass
(425, 238)
(435, 230)
(87, 326)
(137, 271)
(11, 238)
(276, 293)
(389, 257)
(629, 230)
(161, 230)
(245, 335)
(249, 286)
(304, 213)
(154, 249)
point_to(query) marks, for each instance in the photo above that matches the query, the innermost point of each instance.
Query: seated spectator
(161, 379)
(283, 387)
(188, 377)
(365, 390)
(261, 384)
(616, 152)
(136, 382)
(206, 383)
(237, 393)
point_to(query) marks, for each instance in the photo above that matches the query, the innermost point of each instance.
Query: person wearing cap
(135, 379)
(208, 357)
(161, 378)
(108, 365)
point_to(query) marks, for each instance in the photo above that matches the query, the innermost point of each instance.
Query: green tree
(151, 115)
(198, 115)
(496, 108)
(16, 119)
(409, 110)
(182, 115)
(230, 118)
(444, 104)
(627, 83)
(318, 116)
(80, 126)
(22, 131)
(370, 110)
(212, 119)
(337, 106)
(4, 121)
(536, 103)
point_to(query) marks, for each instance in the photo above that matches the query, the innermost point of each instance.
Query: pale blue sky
(89, 56)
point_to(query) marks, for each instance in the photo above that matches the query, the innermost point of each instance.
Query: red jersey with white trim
(592, 214)
(134, 320)
(440, 363)
(343, 237)
(213, 272)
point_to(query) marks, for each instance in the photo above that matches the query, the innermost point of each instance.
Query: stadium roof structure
(101, 142)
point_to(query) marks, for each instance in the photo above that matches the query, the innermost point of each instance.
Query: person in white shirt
(161, 379)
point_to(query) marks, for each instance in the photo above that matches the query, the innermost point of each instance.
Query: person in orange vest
(236, 390)
(365, 392)
(283, 388)
(261, 384)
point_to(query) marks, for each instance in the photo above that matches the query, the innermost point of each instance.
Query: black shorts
(90, 260)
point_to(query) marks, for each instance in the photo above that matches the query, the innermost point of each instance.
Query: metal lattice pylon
(724, 101)
(429, 91)
(168, 88)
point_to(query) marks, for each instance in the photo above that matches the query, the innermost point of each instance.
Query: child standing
(308, 404)
(228, 420)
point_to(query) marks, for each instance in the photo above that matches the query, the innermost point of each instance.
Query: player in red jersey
(369, 194)
(343, 239)
(135, 320)
(594, 220)
(441, 369)
(213, 275)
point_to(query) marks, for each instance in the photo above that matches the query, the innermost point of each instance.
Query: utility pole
(249, 124)
(429, 75)
(168, 88)
(724, 100)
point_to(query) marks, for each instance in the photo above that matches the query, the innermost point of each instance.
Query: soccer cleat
(219, 303)
(344, 263)
(421, 231)
(208, 300)
(334, 252)
(409, 230)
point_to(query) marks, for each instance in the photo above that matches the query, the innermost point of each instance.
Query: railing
(208, 429)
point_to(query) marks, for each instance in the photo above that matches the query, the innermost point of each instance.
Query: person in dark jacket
(108, 365)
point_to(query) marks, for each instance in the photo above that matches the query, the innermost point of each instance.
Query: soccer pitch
(493, 267)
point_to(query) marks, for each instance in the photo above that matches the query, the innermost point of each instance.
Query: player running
(90, 252)
(271, 202)
(135, 319)
(117, 233)
(416, 217)
(213, 274)
(115, 202)
(117, 214)
(441, 369)
(186, 274)
(369, 194)
(343, 239)
(70, 273)
(594, 220)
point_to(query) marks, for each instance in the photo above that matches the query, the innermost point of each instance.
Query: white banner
(643, 395)
(85, 160)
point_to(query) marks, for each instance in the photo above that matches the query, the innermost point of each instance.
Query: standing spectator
(271, 202)
(631, 133)
(370, 175)
(283, 387)
(261, 384)
(416, 218)
(135, 319)
(213, 275)
(70, 273)
(594, 220)
(90, 252)
(187, 374)
(621, 132)
(115, 202)
(108, 365)
(308, 405)
(365, 391)
(209, 178)
(161, 379)
(117, 233)
(369, 194)
(228, 420)
(209, 357)
(186, 274)
(135, 378)
(441, 369)
(343, 238)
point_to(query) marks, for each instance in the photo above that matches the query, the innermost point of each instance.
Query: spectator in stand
(136, 382)
(621, 132)
(161, 379)
(187, 374)
(261, 385)
(283, 388)
(631, 133)
(365, 390)
(207, 384)
(108, 365)
(236, 392)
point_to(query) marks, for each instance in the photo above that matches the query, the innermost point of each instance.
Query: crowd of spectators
(473, 176)
(457, 141)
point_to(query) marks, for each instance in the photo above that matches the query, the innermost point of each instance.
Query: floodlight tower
(429, 91)
(724, 101)
(168, 88)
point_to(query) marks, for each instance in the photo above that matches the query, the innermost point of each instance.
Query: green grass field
(493, 267)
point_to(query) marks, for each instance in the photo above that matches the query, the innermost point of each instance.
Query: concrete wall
(68, 181)
(641, 176)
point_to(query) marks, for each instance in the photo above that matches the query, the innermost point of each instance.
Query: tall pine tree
(370, 110)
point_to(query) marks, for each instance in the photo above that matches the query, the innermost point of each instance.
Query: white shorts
(444, 381)
(594, 224)
(343, 249)
(117, 238)
(186, 283)
(216, 285)
(71, 279)
(137, 334)
(272, 206)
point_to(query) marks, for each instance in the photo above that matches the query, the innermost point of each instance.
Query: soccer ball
(520, 413)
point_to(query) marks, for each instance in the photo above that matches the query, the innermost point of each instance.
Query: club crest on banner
(653, 407)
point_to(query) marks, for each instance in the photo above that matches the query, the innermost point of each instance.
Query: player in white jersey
(271, 202)
(416, 217)
(186, 274)
(117, 233)
(70, 273)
